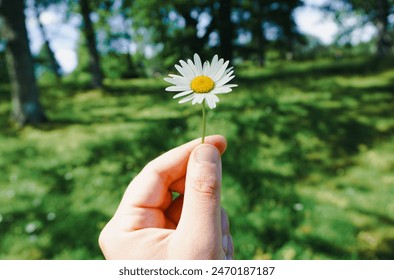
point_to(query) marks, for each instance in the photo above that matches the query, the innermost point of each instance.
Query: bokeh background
(309, 170)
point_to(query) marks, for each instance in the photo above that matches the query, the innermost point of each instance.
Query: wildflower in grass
(200, 83)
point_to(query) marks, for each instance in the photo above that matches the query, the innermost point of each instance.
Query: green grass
(308, 173)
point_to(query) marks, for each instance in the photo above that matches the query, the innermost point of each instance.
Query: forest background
(308, 173)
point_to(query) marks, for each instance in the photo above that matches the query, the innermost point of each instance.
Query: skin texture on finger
(199, 229)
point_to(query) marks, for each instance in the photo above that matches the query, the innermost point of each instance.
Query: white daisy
(199, 82)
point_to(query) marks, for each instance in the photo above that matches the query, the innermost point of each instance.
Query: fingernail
(225, 243)
(207, 153)
(224, 221)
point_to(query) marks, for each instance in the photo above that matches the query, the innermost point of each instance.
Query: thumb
(200, 224)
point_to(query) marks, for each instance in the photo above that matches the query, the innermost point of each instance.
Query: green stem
(204, 120)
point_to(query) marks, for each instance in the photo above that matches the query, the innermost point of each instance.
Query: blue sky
(64, 37)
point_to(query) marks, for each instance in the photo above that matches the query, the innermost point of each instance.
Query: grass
(308, 173)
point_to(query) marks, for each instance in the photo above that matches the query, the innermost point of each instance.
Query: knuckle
(206, 184)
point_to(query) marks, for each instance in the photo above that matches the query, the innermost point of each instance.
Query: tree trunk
(260, 32)
(26, 107)
(131, 72)
(54, 65)
(226, 29)
(382, 24)
(94, 58)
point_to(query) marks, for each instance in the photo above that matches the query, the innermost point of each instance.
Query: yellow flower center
(202, 84)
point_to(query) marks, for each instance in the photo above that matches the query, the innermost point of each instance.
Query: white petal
(183, 93)
(184, 80)
(214, 98)
(170, 80)
(206, 68)
(177, 81)
(214, 63)
(179, 78)
(187, 68)
(218, 65)
(197, 63)
(229, 69)
(184, 72)
(220, 72)
(223, 81)
(210, 102)
(201, 98)
(229, 73)
(187, 98)
(176, 76)
(194, 101)
(221, 90)
(177, 88)
(193, 67)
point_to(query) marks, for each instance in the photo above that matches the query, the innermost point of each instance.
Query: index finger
(150, 187)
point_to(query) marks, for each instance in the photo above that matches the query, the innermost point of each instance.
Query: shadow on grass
(346, 67)
(271, 149)
(75, 231)
(341, 129)
(328, 247)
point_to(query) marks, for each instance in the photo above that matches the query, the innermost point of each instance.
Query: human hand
(150, 224)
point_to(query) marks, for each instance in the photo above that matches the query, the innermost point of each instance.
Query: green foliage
(115, 66)
(307, 173)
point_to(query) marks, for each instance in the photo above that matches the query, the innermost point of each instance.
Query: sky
(64, 37)
(311, 20)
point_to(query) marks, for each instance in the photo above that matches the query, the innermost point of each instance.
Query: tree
(270, 23)
(225, 29)
(90, 36)
(3, 68)
(252, 20)
(39, 7)
(174, 26)
(115, 23)
(283, 17)
(376, 12)
(26, 107)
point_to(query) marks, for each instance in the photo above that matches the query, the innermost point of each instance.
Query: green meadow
(308, 172)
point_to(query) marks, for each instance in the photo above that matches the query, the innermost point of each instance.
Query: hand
(150, 224)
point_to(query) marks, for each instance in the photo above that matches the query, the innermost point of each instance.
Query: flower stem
(204, 121)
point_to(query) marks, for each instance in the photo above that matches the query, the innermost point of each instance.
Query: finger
(174, 211)
(227, 242)
(149, 188)
(230, 248)
(178, 186)
(167, 201)
(200, 222)
(224, 222)
(140, 218)
(172, 165)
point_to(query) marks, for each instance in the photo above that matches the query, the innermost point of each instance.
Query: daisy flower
(200, 83)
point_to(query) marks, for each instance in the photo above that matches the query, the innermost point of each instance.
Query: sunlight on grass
(307, 173)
